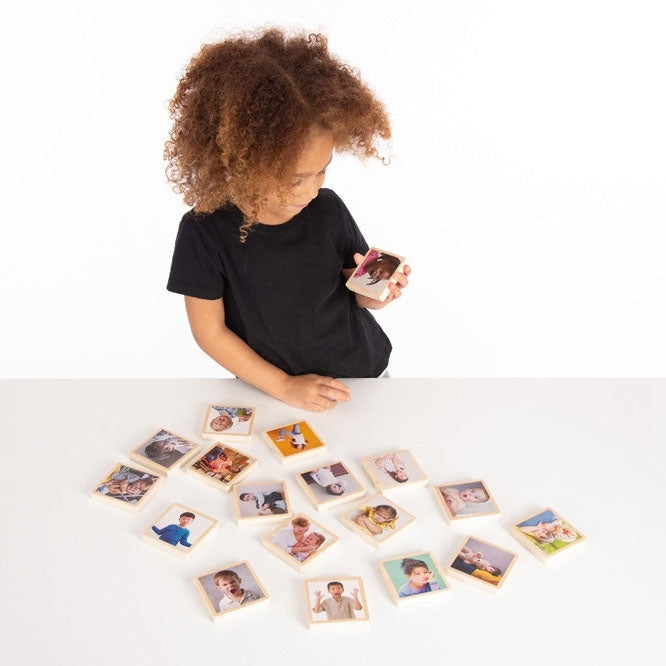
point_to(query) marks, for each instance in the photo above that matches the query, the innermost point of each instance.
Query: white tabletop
(79, 585)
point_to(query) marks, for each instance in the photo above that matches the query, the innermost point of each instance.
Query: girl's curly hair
(245, 108)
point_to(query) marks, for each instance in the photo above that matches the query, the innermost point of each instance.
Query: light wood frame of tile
(214, 435)
(419, 555)
(163, 470)
(473, 580)
(241, 488)
(532, 547)
(354, 283)
(348, 583)
(197, 468)
(115, 500)
(331, 540)
(296, 456)
(216, 613)
(184, 552)
(331, 500)
(378, 541)
(495, 510)
(381, 479)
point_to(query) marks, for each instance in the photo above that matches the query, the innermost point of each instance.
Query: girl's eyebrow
(305, 175)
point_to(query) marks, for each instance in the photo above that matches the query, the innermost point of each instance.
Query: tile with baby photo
(482, 563)
(164, 451)
(466, 499)
(377, 520)
(330, 485)
(300, 541)
(128, 487)
(545, 534)
(222, 466)
(294, 441)
(335, 600)
(261, 502)
(374, 274)
(231, 588)
(179, 530)
(417, 575)
(395, 469)
(222, 421)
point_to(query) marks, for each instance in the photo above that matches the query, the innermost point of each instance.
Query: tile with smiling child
(466, 499)
(229, 588)
(329, 485)
(226, 422)
(394, 469)
(164, 451)
(261, 502)
(377, 520)
(545, 534)
(335, 600)
(374, 274)
(294, 442)
(299, 541)
(180, 530)
(127, 486)
(222, 466)
(417, 575)
(482, 563)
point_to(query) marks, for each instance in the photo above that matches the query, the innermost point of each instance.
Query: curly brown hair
(245, 108)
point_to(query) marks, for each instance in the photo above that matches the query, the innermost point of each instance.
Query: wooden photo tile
(545, 534)
(335, 600)
(374, 274)
(294, 441)
(164, 451)
(261, 502)
(299, 541)
(395, 469)
(482, 563)
(377, 519)
(466, 499)
(223, 421)
(127, 486)
(230, 588)
(330, 485)
(222, 466)
(179, 530)
(416, 575)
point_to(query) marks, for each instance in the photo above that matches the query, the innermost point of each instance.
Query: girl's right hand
(314, 392)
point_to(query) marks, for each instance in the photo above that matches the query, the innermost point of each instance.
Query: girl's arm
(395, 288)
(311, 391)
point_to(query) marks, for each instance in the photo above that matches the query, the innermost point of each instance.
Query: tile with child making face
(413, 576)
(230, 588)
(164, 451)
(466, 499)
(335, 600)
(180, 530)
(377, 520)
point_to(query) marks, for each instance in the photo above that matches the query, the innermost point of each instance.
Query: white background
(526, 188)
(80, 586)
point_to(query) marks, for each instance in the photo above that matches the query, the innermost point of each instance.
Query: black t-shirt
(283, 289)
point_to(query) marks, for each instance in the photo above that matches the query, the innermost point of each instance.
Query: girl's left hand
(395, 288)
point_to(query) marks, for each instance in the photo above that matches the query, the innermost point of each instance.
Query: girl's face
(419, 576)
(304, 184)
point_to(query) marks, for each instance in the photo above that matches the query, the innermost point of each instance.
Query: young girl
(375, 519)
(393, 466)
(263, 258)
(421, 579)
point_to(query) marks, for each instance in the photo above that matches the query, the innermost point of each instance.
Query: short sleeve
(196, 267)
(354, 240)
